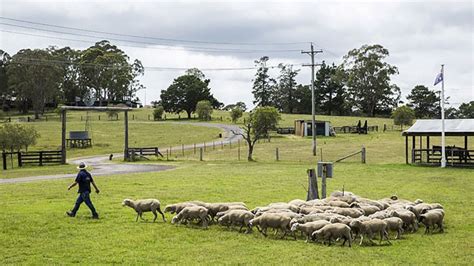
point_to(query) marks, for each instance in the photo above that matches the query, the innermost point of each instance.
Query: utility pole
(313, 101)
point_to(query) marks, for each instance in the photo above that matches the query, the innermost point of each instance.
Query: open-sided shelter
(431, 153)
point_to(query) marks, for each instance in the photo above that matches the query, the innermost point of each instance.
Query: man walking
(84, 180)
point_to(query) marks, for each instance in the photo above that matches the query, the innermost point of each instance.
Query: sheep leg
(284, 234)
(264, 231)
(441, 229)
(361, 238)
(162, 215)
(138, 214)
(240, 229)
(385, 233)
(154, 213)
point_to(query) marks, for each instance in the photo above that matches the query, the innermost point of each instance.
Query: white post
(443, 149)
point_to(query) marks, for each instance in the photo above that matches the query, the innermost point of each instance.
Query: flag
(438, 79)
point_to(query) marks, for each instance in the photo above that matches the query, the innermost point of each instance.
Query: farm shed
(303, 128)
(455, 156)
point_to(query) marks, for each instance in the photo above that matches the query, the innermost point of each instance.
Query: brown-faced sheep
(333, 231)
(145, 205)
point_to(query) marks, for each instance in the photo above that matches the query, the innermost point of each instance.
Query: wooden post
(148, 117)
(170, 150)
(182, 149)
(194, 148)
(167, 156)
(421, 147)
(125, 152)
(4, 160)
(363, 154)
(312, 185)
(323, 184)
(465, 142)
(230, 144)
(99, 117)
(213, 145)
(63, 136)
(406, 149)
(41, 158)
(20, 162)
(200, 154)
(204, 145)
(277, 156)
(413, 146)
(428, 148)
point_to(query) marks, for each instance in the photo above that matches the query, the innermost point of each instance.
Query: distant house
(303, 128)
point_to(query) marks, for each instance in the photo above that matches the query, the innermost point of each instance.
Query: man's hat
(82, 165)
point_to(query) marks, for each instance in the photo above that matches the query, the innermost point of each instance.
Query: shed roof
(432, 127)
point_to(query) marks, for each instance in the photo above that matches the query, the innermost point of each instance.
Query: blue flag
(438, 79)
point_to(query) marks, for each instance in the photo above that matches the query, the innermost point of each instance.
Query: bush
(14, 137)
(158, 112)
(403, 115)
(204, 110)
(236, 113)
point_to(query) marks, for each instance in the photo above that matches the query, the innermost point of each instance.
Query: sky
(226, 37)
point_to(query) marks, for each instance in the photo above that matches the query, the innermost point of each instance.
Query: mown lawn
(35, 230)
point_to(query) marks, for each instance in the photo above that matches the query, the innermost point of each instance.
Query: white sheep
(395, 224)
(309, 228)
(272, 220)
(370, 228)
(192, 213)
(432, 218)
(238, 218)
(333, 231)
(145, 205)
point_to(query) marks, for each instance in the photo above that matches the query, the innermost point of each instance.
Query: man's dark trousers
(84, 197)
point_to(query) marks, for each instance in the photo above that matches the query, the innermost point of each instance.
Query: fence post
(167, 158)
(182, 149)
(148, 117)
(312, 185)
(213, 145)
(277, 155)
(20, 163)
(323, 184)
(412, 156)
(230, 144)
(41, 158)
(4, 160)
(99, 117)
(194, 148)
(363, 154)
(200, 154)
(204, 145)
(170, 150)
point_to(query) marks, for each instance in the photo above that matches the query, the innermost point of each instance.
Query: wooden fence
(33, 158)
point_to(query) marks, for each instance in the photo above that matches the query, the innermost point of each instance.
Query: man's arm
(96, 188)
(72, 185)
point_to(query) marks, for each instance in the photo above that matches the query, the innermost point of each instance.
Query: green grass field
(35, 230)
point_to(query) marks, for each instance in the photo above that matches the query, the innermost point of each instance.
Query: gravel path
(102, 166)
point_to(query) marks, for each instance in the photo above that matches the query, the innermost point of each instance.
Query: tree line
(33, 79)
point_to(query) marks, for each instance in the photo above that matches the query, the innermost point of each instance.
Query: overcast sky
(420, 35)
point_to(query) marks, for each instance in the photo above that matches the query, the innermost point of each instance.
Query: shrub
(236, 113)
(403, 115)
(204, 110)
(158, 112)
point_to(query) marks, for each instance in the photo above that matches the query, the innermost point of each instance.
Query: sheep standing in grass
(395, 224)
(238, 218)
(176, 208)
(333, 231)
(309, 228)
(432, 218)
(408, 218)
(272, 220)
(192, 213)
(145, 205)
(370, 228)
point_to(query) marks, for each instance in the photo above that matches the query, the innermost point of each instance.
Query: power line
(150, 37)
(194, 48)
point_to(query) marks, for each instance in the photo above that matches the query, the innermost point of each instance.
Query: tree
(263, 86)
(260, 122)
(5, 92)
(236, 113)
(285, 92)
(466, 110)
(185, 92)
(204, 110)
(34, 78)
(241, 105)
(403, 115)
(367, 77)
(302, 99)
(330, 92)
(158, 112)
(424, 102)
(14, 137)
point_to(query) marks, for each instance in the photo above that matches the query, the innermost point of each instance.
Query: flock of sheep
(342, 216)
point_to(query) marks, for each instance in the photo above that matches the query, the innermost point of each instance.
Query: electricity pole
(313, 102)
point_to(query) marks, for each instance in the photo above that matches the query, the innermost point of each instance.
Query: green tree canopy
(403, 115)
(284, 97)
(424, 102)
(5, 92)
(330, 92)
(184, 94)
(14, 137)
(367, 77)
(236, 113)
(466, 110)
(263, 86)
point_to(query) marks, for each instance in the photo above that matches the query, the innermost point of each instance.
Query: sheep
(297, 202)
(432, 218)
(145, 205)
(369, 228)
(351, 212)
(307, 210)
(408, 217)
(394, 224)
(272, 220)
(237, 217)
(338, 203)
(309, 228)
(380, 215)
(380, 205)
(345, 220)
(368, 209)
(260, 212)
(176, 208)
(333, 231)
(309, 218)
(284, 205)
(191, 213)
(423, 207)
(214, 208)
(341, 194)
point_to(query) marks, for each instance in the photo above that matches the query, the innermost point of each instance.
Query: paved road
(102, 166)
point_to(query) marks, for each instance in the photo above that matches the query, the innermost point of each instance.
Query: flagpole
(443, 149)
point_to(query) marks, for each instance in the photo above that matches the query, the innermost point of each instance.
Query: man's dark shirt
(84, 180)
